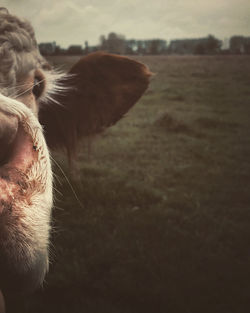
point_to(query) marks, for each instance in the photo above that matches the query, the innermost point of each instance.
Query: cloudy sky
(74, 22)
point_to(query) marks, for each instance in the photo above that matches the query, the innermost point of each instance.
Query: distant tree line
(116, 43)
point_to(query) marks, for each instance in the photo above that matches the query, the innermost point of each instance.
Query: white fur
(36, 216)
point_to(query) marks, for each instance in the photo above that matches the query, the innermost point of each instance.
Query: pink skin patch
(13, 175)
(24, 152)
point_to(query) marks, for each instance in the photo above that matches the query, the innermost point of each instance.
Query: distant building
(155, 46)
(239, 45)
(75, 50)
(150, 46)
(185, 46)
(207, 45)
(47, 48)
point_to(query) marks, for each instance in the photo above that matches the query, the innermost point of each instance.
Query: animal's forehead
(12, 27)
(19, 53)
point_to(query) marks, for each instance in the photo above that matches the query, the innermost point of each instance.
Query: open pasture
(165, 219)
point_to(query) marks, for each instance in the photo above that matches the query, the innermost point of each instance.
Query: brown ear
(101, 89)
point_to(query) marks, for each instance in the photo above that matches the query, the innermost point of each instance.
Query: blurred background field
(163, 218)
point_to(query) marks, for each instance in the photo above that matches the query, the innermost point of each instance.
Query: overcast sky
(74, 22)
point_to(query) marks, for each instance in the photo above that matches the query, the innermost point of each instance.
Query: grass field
(165, 223)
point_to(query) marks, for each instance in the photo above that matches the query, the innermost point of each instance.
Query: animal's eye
(38, 87)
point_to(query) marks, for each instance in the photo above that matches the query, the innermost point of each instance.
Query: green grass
(164, 225)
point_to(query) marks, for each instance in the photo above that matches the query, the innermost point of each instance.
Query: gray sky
(73, 22)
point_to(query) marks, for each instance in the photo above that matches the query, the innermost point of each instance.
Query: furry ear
(100, 89)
